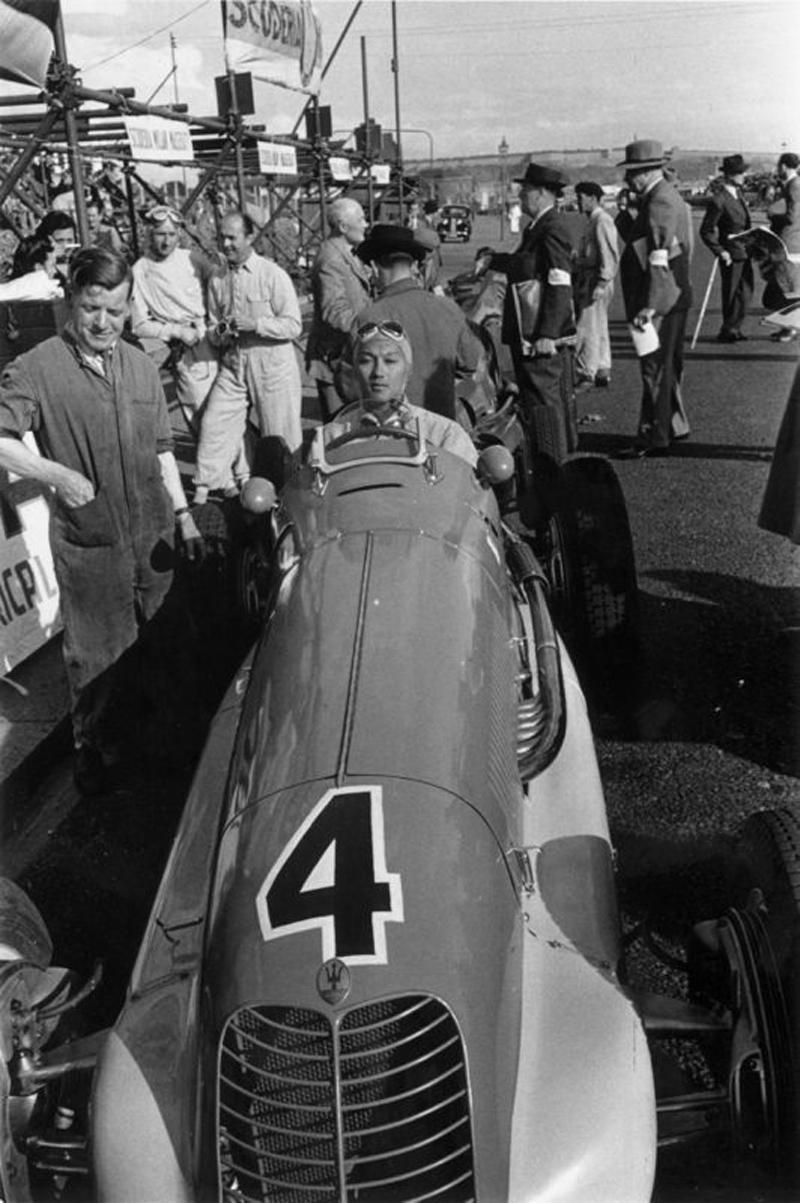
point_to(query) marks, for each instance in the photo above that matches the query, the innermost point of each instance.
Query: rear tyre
(766, 893)
(587, 550)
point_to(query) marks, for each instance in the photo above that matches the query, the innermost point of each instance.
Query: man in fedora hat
(539, 315)
(654, 271)
(726, 214)
(445, 349)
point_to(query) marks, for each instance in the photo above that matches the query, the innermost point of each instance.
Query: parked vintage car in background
(454, 223)
(386, 961)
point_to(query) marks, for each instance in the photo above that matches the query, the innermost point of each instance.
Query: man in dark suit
(727, 213)
(340, 284)
(654, 271)
(539, 314)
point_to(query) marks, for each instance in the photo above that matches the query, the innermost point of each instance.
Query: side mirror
(258, 495)
(496, 465)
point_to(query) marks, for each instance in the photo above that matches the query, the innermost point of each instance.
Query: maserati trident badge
(333, 981)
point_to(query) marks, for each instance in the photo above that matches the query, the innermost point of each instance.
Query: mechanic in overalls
(96, 407)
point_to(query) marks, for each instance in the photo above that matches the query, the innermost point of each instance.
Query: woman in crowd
(33, 272)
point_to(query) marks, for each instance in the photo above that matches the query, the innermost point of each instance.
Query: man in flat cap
(726, 214)
(539, 315)
(654, 271)
(445, 349)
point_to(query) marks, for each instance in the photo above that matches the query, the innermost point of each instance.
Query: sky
(697, 74)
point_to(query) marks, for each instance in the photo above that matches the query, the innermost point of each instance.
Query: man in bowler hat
(726, 214)
(539, 315)
(654, 271)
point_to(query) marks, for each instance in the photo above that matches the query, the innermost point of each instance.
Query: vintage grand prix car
(385, 962)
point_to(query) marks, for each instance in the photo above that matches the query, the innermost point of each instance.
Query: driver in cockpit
(380, 354)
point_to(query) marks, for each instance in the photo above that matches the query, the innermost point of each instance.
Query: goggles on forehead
(392, 330)
(159, 213)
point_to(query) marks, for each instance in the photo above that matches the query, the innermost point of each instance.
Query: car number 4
(332, 875)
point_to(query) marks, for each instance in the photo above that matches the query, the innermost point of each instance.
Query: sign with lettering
(159, 138)
(276, 159)
(380, 173)
(283, 36)
(29, 613)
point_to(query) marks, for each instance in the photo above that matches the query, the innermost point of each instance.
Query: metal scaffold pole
(71, 127)
(396, 72)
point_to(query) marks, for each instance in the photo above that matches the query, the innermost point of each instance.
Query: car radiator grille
(371, 1109)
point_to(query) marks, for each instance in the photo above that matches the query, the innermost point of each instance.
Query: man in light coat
(340, 285)
(254, 319)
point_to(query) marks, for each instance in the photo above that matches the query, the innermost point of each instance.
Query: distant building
(482, 180)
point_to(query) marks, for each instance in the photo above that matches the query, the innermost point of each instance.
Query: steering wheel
(371, 428)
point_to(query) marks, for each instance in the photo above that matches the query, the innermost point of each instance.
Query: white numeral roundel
(332, 875)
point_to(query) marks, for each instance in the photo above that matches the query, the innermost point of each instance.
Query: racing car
(386, 960)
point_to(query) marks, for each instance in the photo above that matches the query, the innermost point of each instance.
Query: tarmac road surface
(716, 731)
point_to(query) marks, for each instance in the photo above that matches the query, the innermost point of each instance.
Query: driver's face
(381, 369)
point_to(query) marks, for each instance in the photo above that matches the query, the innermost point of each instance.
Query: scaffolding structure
(83, 123)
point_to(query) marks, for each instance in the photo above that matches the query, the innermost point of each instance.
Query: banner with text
(29, 613)
(27, 39)
(159, 138)
(282, 38)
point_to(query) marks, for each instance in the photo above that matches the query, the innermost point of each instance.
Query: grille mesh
(375, 1110)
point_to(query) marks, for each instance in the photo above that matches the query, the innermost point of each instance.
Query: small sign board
(340, 169)
(159, 138)
(274, 158)
(380, 173)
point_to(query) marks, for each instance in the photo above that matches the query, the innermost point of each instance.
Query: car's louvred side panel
(375, 1109)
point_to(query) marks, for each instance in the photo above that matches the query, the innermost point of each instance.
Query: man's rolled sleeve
(164, 437)
(19, 410)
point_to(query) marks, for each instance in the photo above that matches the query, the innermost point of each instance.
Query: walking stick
(704, 306)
